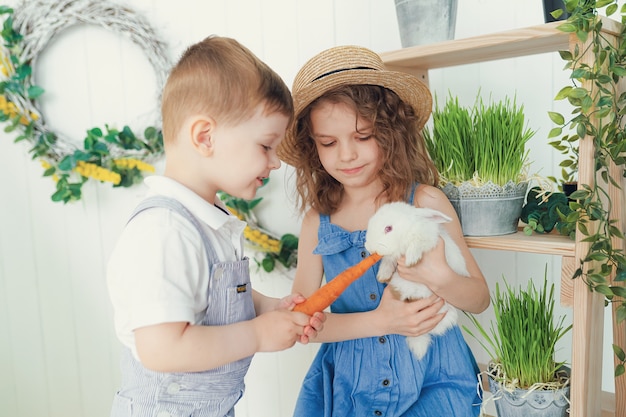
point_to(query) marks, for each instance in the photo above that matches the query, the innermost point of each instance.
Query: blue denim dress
(379, 376)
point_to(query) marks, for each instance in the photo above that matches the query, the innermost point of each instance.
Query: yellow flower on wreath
(261, 240)
(11, 110)
(89, 170)
(130, 163)
(6, 67)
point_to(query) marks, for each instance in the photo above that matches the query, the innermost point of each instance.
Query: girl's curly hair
(405, 158)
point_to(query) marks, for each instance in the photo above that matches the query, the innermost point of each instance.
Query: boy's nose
(274, 161)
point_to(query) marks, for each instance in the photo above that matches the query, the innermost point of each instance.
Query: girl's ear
(201, 129)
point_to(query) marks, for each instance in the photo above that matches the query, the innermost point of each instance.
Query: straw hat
(350, 65)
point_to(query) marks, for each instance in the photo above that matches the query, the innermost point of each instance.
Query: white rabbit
(398, 229)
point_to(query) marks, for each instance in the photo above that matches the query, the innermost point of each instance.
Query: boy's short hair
(220, 78)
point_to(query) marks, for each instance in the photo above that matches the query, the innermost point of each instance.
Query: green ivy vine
(598, 115)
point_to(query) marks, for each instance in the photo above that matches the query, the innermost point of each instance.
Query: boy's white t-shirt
(158, 270)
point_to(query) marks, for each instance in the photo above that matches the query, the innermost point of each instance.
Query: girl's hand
(408, 318)
(429, 270)
(316, 324)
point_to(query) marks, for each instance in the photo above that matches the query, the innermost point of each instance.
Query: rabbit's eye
(388, 229)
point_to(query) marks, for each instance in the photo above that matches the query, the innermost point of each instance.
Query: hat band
(342, 70)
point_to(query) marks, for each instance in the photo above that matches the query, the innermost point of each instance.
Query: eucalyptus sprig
(598, 115)
(272, 249)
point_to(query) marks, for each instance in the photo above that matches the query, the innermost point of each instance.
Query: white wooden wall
(58, 353)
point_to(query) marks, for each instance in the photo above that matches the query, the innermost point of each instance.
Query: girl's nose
(347, 151)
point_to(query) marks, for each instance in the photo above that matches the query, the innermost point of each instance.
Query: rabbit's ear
(434, 215)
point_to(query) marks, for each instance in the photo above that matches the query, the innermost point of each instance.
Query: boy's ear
(201, 129)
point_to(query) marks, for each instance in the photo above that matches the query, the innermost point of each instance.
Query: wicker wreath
(108, 155)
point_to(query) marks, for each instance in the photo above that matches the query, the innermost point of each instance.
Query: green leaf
(621, 313)
(604, 290)
(289, 241)
(268, 263)
(96, 131)
(554, 133)
(603, 112)
(582, 35)
(253, 203)
(563, 93)
(59, 195)
(150, 132)
(581, 73)
(566, 55)
(35, 91)
(619, 71)
(67, 164)
(619, 352)
(619, 291)
(100, 148)
(557, 118)
(567, 27)
(605, 101)
(22, 72)
(578, 92)
(579, 195)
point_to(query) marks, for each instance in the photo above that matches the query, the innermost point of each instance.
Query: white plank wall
(58, 353)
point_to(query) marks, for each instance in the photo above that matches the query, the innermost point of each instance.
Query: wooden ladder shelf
(588, 307)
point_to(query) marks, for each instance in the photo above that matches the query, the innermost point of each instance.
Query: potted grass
(480, 152)
(524, 377)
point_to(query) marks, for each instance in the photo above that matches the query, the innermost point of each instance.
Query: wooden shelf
(548, 244)
(508, 44)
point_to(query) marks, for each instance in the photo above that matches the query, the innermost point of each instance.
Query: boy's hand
(279, 329)
(316, 321)
(290, 301)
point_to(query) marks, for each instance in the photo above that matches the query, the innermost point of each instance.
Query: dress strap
(412, 196)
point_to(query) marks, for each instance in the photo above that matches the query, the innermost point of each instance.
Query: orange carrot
(329, 292)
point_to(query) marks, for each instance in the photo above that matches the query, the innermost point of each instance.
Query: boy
(179, 283)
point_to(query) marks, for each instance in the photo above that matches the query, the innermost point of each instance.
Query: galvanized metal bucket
(525, 403)
(425, 21)
(489, 210)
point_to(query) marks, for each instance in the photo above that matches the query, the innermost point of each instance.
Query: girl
(355, 144)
